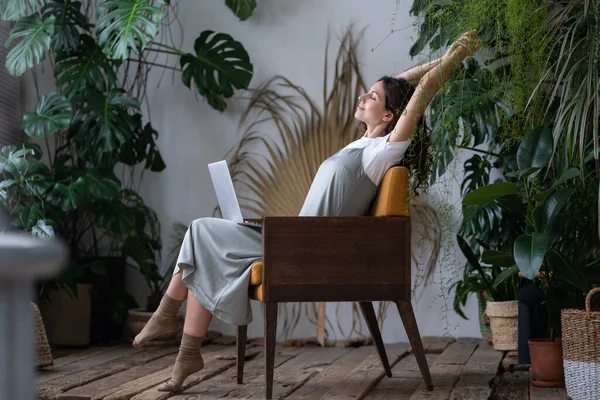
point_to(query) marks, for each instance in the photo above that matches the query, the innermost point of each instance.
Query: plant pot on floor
(67, 319)
(138, 318)
(504, 320)
(546, 363)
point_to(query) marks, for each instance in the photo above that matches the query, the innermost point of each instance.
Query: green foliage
(126, 26)
(53, 112)
(35, 36)
(243, 9)
(220, 65)
(539, 64)
(95, 121)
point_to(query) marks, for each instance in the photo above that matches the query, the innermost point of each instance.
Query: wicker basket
(43, 353)
(581, 350)
(504, 319)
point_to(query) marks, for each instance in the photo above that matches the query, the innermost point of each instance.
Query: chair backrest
(393, 194)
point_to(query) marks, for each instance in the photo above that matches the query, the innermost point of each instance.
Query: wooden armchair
(322, 259)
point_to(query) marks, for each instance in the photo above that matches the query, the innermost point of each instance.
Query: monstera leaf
(35, 35)
(241, 8)
(105, 122)
(85, 67)
(126, 25)
(52, 113)
(477, 173)
(69, 20)
(220, 65)
(14, 9)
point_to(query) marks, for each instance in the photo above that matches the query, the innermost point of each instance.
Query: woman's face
(371, 107)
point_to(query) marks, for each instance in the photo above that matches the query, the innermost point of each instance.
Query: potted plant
(541, 251)
(90, 127)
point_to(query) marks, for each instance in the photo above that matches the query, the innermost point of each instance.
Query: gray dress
(216, 255)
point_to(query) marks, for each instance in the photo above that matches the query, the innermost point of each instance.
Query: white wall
(286, 37)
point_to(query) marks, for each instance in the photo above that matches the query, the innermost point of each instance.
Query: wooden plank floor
(461, 369)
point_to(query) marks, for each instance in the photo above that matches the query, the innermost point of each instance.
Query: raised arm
(431, 83)
(414, 74)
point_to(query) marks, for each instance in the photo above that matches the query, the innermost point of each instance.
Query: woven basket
(581, 350)
(504, 319)
(43, 352)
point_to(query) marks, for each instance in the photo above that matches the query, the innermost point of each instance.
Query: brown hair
(417, 158)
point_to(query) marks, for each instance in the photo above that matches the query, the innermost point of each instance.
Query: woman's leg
(177, 289)
(189, 359)
(164, 320)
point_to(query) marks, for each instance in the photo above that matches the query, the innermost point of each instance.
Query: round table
(23, 260)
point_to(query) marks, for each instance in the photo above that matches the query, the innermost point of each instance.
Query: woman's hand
(468, 40)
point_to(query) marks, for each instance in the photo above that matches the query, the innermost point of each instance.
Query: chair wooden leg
(369, 313)
(241, 351)
(412, 330)
(270, 336)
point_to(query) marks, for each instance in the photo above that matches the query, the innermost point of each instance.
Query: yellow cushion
(392, 199)
(256, 273)
(393, 194)
(255, 292)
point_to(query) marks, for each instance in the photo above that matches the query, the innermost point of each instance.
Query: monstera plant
(92, 125)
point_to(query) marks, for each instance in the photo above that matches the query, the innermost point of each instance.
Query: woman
(214, 263)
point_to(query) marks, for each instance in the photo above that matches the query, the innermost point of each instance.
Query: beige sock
(189, 360)
(164, 320)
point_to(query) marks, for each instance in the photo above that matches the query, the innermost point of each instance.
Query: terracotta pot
(138, 318)
(546, 363)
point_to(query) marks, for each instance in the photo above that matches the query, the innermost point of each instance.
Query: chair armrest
(355, 251)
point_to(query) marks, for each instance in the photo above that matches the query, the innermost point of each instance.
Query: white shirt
(379, 155)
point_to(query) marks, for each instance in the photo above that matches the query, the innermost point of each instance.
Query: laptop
(226, 197)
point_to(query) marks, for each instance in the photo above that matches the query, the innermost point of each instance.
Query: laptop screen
(228, 203)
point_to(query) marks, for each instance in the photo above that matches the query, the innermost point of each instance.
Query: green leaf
(84, 67)
(42, 230)
(569, 174)
(529, 250)
(126, 25)
(35, 37)
(527, 172)
(563, 270)
(472, 259)
(498, 258)
(241, 8)
(102, 184)
(12, 10)
(555, 204)
(477, 174)
(69, 197)
(14, 163)
(220, 65)
(489, 193)
(52, 113)
(105, 122)
(506, 274)
(536, 149)
(68, 21)
(8, 183)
